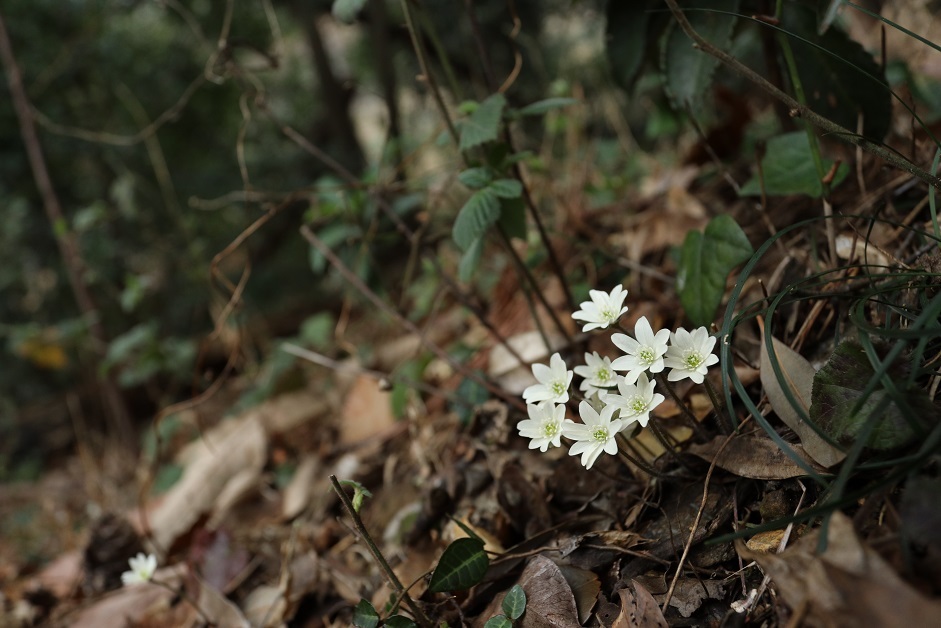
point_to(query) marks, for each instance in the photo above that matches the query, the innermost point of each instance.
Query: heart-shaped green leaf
(838, 390)
(705, 263)
(788, 168)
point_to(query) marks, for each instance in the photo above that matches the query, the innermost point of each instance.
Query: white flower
(690, 354)
(544, 425)
(553, 381)
(598, 374)
(603, 309)
(644, 352)
(635, 401)
(594, 435)
(142, 569)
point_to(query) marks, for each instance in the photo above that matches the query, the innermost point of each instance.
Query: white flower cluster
(612, 403)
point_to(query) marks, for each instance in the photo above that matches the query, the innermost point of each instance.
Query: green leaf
(470, 260)
(705, 263)
(507, 188)
(398, 621)
(346, 10)
(833, 87)
(484, 123)
(838, 389)
(687, 71)
(359, 492)
(629, 33)
(498, 621)
(475, 178)
(788, 168)
(480, 211)
(543, 106)
(462, 565)
(514, 604)
(365, 615)
(513, 217)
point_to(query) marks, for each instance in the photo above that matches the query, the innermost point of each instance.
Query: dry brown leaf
(296, 495)
(638, 609)
(367, 411)
(132, 604)
(690, 593)
(206, 477)
(768, 541)
(217, 609)
(848, 585)
(585, 587)
(549, 599)
(755, 457)
(799, 378)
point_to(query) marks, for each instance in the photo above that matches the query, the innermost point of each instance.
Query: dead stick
(65, 238)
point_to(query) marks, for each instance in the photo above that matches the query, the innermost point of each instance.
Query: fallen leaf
(367, 411)
(798, 375)
(549, 599)
(585, 588)
(768, 541)
(638, 609)
(211, 469)
(690, 593)
(848, 585)
(296, 495)
(755, 456)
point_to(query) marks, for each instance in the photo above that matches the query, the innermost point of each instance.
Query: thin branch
(797, 109)
(65, 238)
(384, 307)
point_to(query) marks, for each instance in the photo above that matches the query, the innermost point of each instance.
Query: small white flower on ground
(598, 374)
(142, 569)
(635, 401)
(554, 381)
(604, 308)
(644, 352)
(594, 435)
(544, 425)
(690, 354)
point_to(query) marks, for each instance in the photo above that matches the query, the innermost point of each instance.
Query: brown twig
(796, 109)
(65, 238)
(695, 527)
(384, 307)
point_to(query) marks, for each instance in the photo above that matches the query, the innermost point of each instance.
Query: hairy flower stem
(390, 576)
(669, 447)
(725, 426)
(625, 443)
(687, 414)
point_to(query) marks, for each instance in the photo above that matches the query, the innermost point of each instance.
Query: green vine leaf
(541, 107)
(462, 565)
(475, 178)
(705, 263)
(498, 621)
(631, 27)
(484, 123)
(687, 71)
(480, 211)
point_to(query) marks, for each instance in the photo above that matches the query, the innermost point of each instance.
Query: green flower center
(603, 375)
(607, 313)
(637, 404)
(646, 355)
(558, 387)
(600, 434)
(550, 429)
(693, 359)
